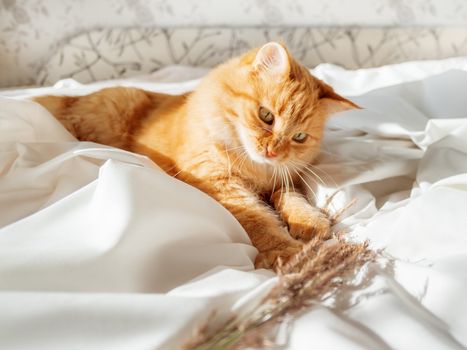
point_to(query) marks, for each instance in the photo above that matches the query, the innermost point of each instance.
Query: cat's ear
(273, 60)
(330, 102)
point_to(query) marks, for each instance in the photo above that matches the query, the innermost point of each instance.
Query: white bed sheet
(99, 249)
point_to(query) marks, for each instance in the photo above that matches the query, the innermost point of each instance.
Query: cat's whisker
(230, 165)
(311, 172)
(241, 161)
(325, 173)
(334, 183)
(180, 171)
(239, 158)
(300, 169)
(244, 159)
(282, 184)
(234, 148)
(291, 178)
(306, 184)
(273, 178)
(287, 185)
(306, 166)
(285, 181)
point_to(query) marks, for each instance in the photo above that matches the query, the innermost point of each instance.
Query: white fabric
(99, 249)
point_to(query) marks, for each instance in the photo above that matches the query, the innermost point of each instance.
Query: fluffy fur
(214, 139)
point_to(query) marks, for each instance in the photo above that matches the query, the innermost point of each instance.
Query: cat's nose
(270, 153)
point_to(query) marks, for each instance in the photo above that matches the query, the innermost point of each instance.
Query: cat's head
(274, 109)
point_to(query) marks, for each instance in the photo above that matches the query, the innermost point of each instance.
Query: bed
(100, 249)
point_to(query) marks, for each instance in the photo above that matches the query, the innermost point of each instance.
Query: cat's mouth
(263, 157)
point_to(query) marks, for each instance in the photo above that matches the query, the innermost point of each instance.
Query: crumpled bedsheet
(99, 249)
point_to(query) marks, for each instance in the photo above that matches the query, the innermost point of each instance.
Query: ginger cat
(244, 136)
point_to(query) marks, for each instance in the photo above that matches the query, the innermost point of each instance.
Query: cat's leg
(304, 220)
(263, 226)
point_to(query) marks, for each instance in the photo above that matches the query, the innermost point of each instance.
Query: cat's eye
(299, 137)
(265, 115)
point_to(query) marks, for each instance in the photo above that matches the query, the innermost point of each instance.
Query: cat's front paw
(270, 259)
(309, 224)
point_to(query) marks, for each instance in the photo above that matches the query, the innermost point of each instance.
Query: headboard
(122, 52)
(115, 53)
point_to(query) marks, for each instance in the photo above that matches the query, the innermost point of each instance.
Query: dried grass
(314, 274)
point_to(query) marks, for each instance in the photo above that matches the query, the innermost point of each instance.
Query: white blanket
(99, 249)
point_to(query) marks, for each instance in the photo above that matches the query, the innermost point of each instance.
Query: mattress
(100, 249)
